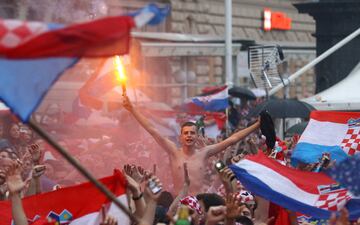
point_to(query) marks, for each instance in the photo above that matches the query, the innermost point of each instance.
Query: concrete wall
(207, 17)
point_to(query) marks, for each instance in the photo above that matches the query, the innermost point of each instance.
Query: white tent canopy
(344, 95)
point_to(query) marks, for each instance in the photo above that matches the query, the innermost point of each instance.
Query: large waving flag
(103, 37)
(35, 54)
(337, 133)
(214, 102)
(22, 39)
(78, 205)
(313, 194)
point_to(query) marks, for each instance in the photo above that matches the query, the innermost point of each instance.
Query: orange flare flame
(120, 70)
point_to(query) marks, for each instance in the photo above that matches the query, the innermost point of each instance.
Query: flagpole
(81, 169)
(228, 53)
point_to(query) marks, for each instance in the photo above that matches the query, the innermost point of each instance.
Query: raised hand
(133, 186)
(35, 152)
(342, 220)
(215, 215)
(227, 176)
(14, 182)
(233, 210)
(126, 103)
(38, 171)
(107, 219)
(127, 169)
(134, 173)
(153, 185)
(142, 171)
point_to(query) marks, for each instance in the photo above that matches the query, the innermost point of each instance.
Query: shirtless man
(188, 153)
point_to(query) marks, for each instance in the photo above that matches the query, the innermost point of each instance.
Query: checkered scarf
(193, 203)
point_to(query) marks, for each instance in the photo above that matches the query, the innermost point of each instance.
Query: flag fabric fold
(153, 15)
(77, 205)
(313, 194)
(98, 38)
(23, 83)
(103, 37)
(337, 133)
(33, 54)
(347, 174)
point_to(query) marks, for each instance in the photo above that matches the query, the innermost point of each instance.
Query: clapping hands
(14, 181)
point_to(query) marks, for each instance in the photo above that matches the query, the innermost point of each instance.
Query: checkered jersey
(350, 143)
(15, 32)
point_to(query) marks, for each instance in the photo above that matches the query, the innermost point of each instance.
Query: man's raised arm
(211, 150)
(165, 143)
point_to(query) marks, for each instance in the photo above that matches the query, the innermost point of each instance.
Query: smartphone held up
(154, 187)
(219, 165)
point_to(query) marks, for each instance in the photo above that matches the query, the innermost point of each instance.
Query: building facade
(199, 51)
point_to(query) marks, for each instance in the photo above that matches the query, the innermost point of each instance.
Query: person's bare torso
(196, 168)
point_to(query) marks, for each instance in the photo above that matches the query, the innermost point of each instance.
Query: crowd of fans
(28, 166)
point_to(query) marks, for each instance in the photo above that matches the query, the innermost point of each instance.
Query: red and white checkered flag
(245, 197)
(350, 143)
(333, 201)
(16, 32)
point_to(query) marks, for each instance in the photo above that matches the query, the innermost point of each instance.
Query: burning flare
(120, 72)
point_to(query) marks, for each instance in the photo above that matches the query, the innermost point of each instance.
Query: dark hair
(188, 124)
(165, 199)
(160, 215)
(12, 154)
(210, 199)
(251, 208)
(4, 143)
(244, 220)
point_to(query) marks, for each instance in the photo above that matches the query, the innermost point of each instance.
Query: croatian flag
(77, 205)
(33, 54)
(313, 194)
(337, 133)
(214, 102)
